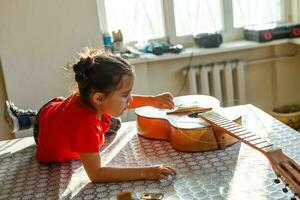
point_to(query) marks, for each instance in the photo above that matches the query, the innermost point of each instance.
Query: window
(197, 16)
(248, 12)
(179, 20)
(137, 19)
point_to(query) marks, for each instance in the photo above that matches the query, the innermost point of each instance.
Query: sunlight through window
(138, 20)
(248, 12)
(197, 16)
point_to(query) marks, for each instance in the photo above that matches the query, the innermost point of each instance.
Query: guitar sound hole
(194, 115)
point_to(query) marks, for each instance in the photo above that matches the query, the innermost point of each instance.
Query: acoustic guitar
(198, 124)
(183, 132)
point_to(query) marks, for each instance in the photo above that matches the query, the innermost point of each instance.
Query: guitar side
(194, 139)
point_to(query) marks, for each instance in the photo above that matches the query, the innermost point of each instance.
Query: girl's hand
(164, 100)
(159, 172)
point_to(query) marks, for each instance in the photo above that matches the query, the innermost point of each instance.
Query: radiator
(223, 80)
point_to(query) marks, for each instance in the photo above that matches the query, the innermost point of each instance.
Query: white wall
(4, 133)
(37, 39)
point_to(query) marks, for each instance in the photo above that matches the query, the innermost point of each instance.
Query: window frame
(229, 33)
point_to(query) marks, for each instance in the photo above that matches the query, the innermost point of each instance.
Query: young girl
(73, 127)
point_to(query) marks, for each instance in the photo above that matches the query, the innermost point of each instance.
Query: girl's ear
(97, 98)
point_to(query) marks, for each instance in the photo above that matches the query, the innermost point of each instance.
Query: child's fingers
(168, 94)
(165, 104)
(168, 103)
(171, 102)
(163, 172)
(173, 171)
(168, 171)
(162, 176)
(168, 97)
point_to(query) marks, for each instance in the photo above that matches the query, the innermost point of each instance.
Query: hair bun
(85, 62)
(79, 76)
(81, 68)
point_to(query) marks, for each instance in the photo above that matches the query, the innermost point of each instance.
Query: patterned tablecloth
(238, 172)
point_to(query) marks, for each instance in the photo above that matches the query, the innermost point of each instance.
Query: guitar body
(183, 132)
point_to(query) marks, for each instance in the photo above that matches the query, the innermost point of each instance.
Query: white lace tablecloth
(238, 172)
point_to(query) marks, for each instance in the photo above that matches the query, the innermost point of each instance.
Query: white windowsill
(225, 47)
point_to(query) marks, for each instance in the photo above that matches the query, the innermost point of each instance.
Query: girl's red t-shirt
(67, 128)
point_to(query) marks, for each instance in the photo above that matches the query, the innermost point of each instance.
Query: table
(238, 172)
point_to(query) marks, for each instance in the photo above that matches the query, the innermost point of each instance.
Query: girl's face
(117, 101)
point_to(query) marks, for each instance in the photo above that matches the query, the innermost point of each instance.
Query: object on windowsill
(158, 48)
(289, 115)
(107, 41)
(134, 50)
(118, 46)
(271, 31)
(131, 53)
(155, 48)
(208, 40)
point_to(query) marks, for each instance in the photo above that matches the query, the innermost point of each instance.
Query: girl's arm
(92, 165)
(164, 100)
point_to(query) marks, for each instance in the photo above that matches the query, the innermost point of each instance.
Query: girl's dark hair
(99, 71)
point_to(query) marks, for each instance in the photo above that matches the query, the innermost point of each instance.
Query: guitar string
(267, 131)
(208, 127)
(264, 128)
(247, 129)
